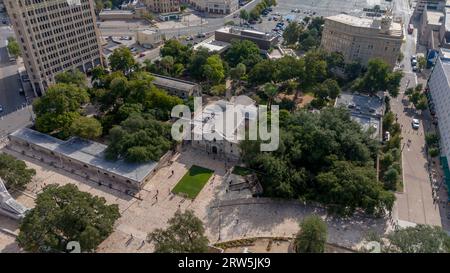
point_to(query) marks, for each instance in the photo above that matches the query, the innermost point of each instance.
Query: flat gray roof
(364, 109)
(87, 152)
(361, 104)
(163, 81)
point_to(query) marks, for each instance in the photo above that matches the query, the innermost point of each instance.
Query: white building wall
(440, 92)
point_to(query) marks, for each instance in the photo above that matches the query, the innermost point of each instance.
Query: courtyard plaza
(227, 215)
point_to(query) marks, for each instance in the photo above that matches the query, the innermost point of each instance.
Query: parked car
(201, 35)
(415, 123)
(1, 108)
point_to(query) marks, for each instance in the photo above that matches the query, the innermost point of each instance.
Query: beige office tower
(55, 35)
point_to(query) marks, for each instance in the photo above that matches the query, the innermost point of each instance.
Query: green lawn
(193, 181)
(241, 171)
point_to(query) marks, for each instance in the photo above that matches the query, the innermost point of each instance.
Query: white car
(415, 123)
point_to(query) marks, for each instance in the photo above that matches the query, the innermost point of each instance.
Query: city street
(10, 98)
(415, 204)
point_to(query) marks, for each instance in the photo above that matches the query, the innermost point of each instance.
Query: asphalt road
(415, 204)
(10, 98)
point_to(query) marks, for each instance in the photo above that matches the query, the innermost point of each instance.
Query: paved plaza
(228, 214)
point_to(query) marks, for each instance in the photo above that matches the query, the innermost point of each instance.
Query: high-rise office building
(54, 36)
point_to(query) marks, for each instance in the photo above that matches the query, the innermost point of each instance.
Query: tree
(196, 63)
(13, 47)
(422, 62)
(388, 121)
(181, 53)
(418, 239)
(324, 157)
(63, 214)
(14, 172)
(74, 76)
(238, 72)
(122, 60)
(292, 33)
(379, 78)
(263, 72)
(333, 89)
(254, 14)
(213, 69)
(58, 108)
(185, 234)
(139, 138)
(312, 236)
(243, 51)
(422, 104)
(315, 68)
(108, 4)
(167, 62)
(243, 15)
(99, 74)
(183, 7)
(433, 152)
(431, 139)
(270, 90)
(353, 70)
(86, 127)
(390, 179)
(218, 90)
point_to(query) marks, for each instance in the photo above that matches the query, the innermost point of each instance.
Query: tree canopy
(418, 239)
(86, 127)
(243, 51)
(14, 172)
(312, 236)
(213, 70)
(122, 60)
(63, 214)
(185, 234)
(74, 76)
(13, 47)
(324, 157)
(139, 138)
(58, 108)
(379, 78)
